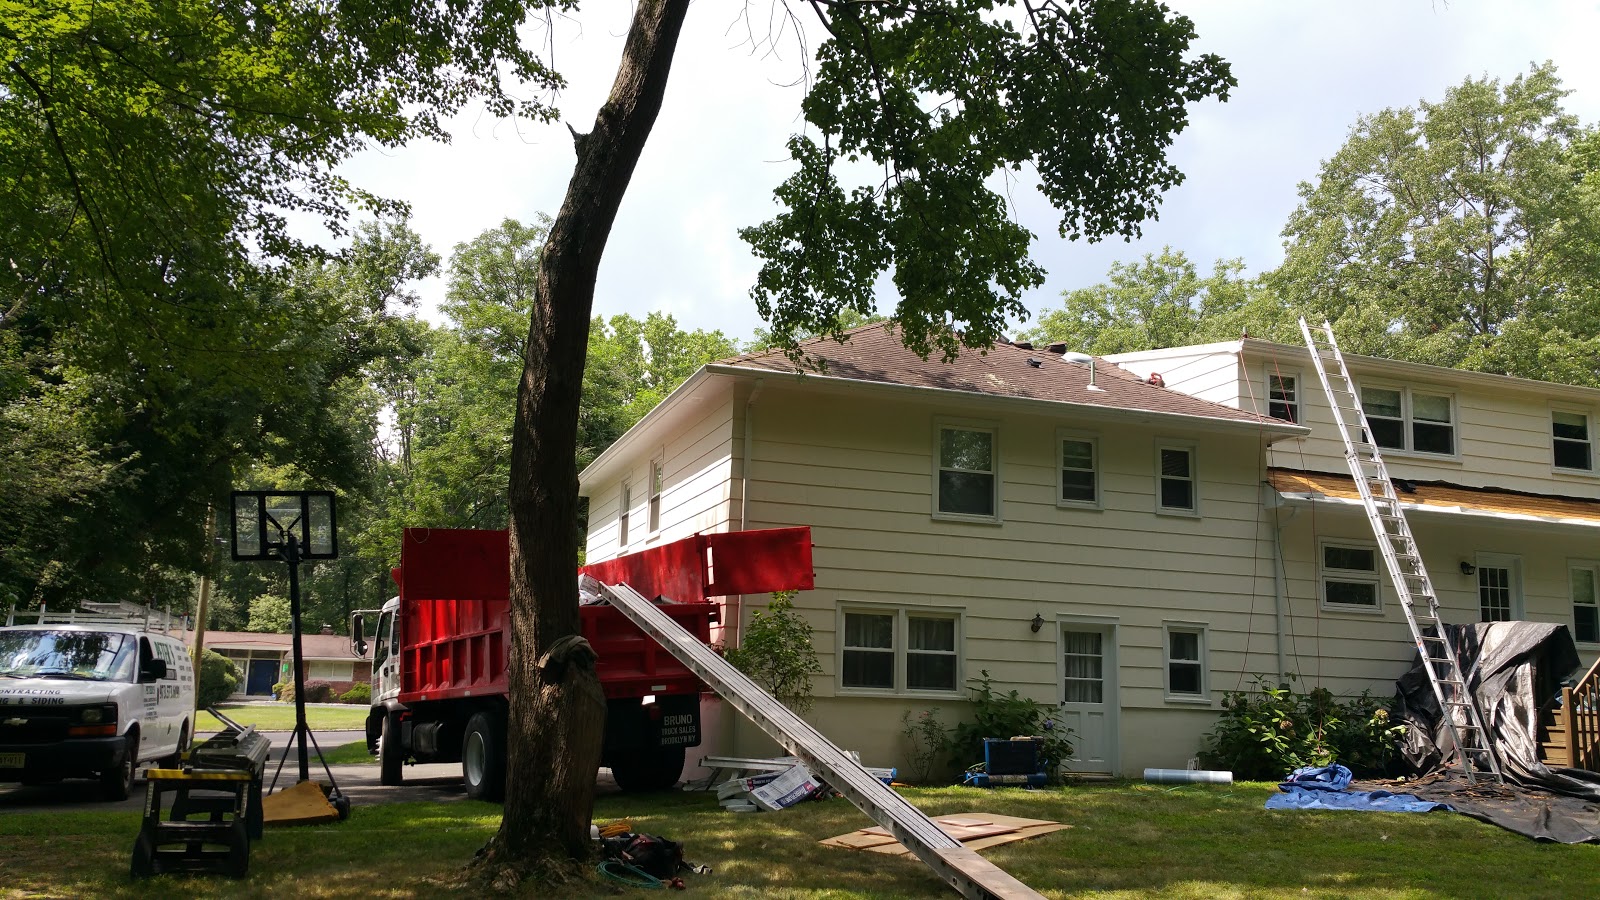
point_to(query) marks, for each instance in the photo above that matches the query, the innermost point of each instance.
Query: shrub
(1269, 732)
(319, 692)
(930, 740)
(284, 690)
(218, 679)
(360, 692)
(1008, 715)
(776, 652)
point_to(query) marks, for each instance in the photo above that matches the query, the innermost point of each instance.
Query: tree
(940, 96)
(269, 614)
(1459, 233)
(1162, 301)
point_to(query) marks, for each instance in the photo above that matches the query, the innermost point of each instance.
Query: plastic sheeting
(1327, 787)
(1512, 669)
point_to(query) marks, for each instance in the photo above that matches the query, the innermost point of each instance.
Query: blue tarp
(1324, 787)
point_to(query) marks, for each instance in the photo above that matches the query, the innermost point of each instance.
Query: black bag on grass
(650, 853)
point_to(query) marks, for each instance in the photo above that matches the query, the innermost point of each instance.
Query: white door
(1499, 587)
(1088, 671)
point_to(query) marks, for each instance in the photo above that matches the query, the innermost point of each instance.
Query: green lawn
(1127, 841)
(280, 717)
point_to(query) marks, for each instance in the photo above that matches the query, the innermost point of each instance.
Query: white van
(91, 701)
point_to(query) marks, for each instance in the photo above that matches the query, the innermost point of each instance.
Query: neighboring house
(265, 659)
(1103, 547)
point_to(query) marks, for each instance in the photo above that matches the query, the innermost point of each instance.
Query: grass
(351, 753)
(280, 717)
(1127, 841)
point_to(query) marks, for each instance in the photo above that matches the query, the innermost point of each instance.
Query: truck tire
(175, 761)
(117, 783)
(648, 770)
(483, 757)
(391, 755)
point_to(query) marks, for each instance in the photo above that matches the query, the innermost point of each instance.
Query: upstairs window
(1283, 397)
(967, 474)
(1571, 442)
(1175, 489)
(622, 518)
(1350, 576)
(657, 481)
(1080, 471)
(1403, 419)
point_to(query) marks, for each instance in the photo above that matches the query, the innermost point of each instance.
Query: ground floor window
(1186, 661)
(1499, 593)
(1350, 576)
(328, 670)
(900, 650)
(1584, 577)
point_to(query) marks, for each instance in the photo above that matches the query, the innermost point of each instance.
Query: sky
(1306, 72)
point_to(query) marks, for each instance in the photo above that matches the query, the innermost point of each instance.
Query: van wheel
(175, 761)
(391, 756)
(483, 758)
(117, 783)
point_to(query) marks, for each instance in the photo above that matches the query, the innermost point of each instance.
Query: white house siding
(1207, 371)
(858, 470)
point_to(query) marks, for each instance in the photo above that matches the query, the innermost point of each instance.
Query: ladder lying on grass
(1401, 556)
(961, 868)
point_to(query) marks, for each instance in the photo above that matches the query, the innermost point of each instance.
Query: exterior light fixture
(1037, 623)
(1468, 568)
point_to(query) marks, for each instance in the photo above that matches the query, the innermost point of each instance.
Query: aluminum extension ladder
(1401, 556)
(961, 868)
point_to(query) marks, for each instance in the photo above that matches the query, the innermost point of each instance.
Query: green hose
(632, 876)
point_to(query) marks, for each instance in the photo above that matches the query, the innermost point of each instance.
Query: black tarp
(1513, 669)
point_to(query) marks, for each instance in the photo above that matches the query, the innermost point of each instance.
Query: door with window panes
(1088, 667)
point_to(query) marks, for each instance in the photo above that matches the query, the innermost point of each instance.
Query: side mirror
(153, 670)
(358, 634)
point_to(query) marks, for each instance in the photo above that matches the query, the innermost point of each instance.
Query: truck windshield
(84, 655)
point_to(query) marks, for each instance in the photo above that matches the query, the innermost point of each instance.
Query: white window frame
(1191, 448)
(1513, 565)
(993, 430)
(1408, 418)
(1327, 573)
(625, 510)
(1593, 568)
(1097, 466)
(900, 640)
(312, 664)
(1297, 406)
(1202, 632)
(656, 486)
(1589, 426)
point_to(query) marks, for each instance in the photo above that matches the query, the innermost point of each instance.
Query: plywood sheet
(976, 831)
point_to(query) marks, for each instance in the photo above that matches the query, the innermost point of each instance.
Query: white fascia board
(950, 397)
(1434, 508)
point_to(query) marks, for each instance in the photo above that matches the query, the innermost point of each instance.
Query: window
(1570, 441)
(1585, 603)
(328, 670)
(622, 518)
(899, 650)
(1499, 588)
(1080, 470)
(656, 481)
(1350, 576)
(1283, 397)
(967, 473)
(1175, 488)
(1403, 419)
(1186, 662)
(1084, 658)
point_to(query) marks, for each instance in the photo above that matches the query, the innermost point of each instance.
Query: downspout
(1280, 577)
(744, 491)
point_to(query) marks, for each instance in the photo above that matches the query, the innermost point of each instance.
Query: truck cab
(91, 701)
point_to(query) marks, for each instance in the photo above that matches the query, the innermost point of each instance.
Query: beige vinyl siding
(859, 473)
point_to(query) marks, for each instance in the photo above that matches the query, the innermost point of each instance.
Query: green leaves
(943, 99)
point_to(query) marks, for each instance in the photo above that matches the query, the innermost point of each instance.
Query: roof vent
(1035, 361)
(1057, 349)
(1023, 345)
(1084, 358)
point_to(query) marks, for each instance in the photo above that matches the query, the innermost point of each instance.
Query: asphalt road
(435, 782)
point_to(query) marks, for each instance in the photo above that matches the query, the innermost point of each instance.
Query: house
(265, 659)
(1125, 550)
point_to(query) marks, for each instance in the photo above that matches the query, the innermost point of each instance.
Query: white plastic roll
(1188, 776)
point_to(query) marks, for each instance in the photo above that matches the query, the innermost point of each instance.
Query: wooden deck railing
(1580, 719)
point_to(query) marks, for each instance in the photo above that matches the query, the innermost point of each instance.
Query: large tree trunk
(557, 708)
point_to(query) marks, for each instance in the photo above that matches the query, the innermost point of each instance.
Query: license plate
(13, 760)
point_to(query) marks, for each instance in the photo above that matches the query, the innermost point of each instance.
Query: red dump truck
(439, 681)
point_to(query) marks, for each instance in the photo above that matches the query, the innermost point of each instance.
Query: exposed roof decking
(1441, 497)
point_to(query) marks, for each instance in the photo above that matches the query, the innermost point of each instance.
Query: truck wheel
(391, 756)
(483, 758)
(117, 783)
(648, 770)
(175, 761)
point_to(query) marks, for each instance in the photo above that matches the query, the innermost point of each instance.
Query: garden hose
(632, 876)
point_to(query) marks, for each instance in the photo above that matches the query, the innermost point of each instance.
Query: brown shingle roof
(874, 353)
(1442, 496)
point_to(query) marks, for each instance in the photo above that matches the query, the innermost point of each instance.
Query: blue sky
(1306, 71)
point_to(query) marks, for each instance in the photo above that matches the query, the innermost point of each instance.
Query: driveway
(436, 782)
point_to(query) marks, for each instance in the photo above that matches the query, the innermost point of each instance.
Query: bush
(1010, 715)
(776, 652)
(1267, 733)
(218, 679)
(319, 692)
(930, 741)
(360, 692)
(284, 690)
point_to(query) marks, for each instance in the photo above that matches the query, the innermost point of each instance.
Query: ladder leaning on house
(1401, 556)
